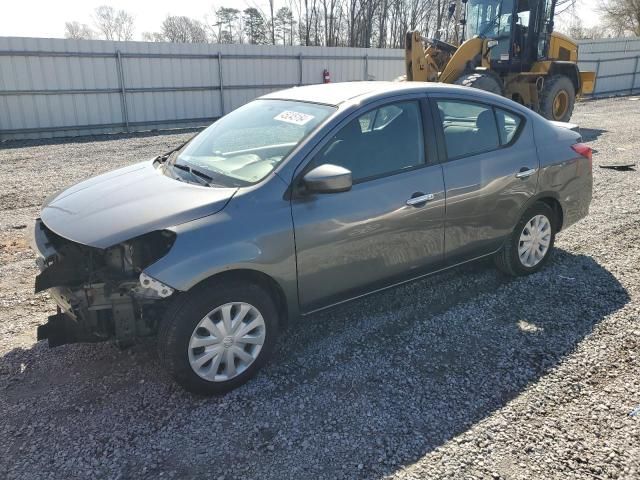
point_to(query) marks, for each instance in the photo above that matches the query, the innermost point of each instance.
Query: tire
(509, 260)
(182, 324)
(557, 88)
(481, 81)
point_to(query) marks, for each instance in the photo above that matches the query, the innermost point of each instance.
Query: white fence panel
(616, 63)
(56, 87)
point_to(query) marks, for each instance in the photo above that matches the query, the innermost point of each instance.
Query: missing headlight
(77, 265)
(146, 249)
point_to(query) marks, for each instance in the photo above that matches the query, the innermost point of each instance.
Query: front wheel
(216, 337)
(530, 244)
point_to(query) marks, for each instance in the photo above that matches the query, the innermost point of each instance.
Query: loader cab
(522, 29)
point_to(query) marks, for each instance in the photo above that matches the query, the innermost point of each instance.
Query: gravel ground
(467, 374)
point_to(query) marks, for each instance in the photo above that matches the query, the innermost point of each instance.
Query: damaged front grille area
(75, 264)
(99, 291)
(72, 264)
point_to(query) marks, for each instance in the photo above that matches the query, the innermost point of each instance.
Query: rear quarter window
(509, 125)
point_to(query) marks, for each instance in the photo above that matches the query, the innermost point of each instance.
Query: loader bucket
(587, 82)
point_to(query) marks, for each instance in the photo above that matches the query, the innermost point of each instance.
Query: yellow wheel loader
(511, 50)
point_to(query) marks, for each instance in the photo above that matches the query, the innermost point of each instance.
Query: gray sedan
(298, 201)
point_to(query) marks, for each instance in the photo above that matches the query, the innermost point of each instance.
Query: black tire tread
(482, 81)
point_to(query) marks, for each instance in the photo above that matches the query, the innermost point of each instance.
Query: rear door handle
(420, 199)
(525, 173)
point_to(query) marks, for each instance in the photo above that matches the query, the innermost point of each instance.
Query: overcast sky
(46, 18)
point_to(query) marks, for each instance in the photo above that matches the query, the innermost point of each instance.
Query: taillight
(583, 150)
(586, 152)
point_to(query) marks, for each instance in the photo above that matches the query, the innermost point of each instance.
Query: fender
(539, 196)
(236, 239)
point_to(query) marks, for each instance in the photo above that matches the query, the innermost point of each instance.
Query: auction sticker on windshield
(297, 118)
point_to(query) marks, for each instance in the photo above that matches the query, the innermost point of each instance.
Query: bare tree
(285, 25)
(355, 23)
(114, 24)
(153, 37)
(622, 17)
(228, 25)
(273, 24)
(180, 29)
(569, 22)
(254, 26)
(78, 31)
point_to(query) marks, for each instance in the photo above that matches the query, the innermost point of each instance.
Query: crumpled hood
(128, 202)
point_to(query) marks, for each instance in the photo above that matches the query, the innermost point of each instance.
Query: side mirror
(328, 178)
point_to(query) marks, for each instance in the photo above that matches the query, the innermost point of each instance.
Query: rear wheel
(481, 81)
(216, 337)
(558, 98)
(529, 246)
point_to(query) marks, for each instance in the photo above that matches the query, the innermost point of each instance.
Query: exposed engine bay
(101, 294)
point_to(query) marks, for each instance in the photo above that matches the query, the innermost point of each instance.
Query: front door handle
(525, 172)
(420, 199)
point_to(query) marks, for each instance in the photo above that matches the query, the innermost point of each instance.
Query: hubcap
(560, 104)
(226, 341)
(534, 241)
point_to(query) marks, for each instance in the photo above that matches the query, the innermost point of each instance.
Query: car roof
(338, 93)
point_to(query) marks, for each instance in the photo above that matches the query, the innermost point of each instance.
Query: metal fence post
(595, 80)
(221, 83)
(123, 90)
(366, 67)
(300, 69)
(633, 78)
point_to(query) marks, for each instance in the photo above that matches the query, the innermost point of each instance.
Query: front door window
(381, 142)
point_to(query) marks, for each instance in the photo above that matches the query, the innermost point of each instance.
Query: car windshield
(246, 145)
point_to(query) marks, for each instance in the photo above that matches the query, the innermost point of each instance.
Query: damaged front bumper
(101, 294)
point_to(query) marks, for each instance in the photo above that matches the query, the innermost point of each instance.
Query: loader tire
(481, 81)
(557, 98)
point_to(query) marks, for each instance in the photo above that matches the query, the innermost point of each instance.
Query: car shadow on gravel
(591, 134)
(355, 392)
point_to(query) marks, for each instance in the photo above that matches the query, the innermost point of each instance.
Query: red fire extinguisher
(326, 76)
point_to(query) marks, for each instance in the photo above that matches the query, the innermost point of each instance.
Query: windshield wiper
(166, 155)
(201, 177)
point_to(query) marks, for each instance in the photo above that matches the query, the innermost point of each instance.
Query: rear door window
(469, 128)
